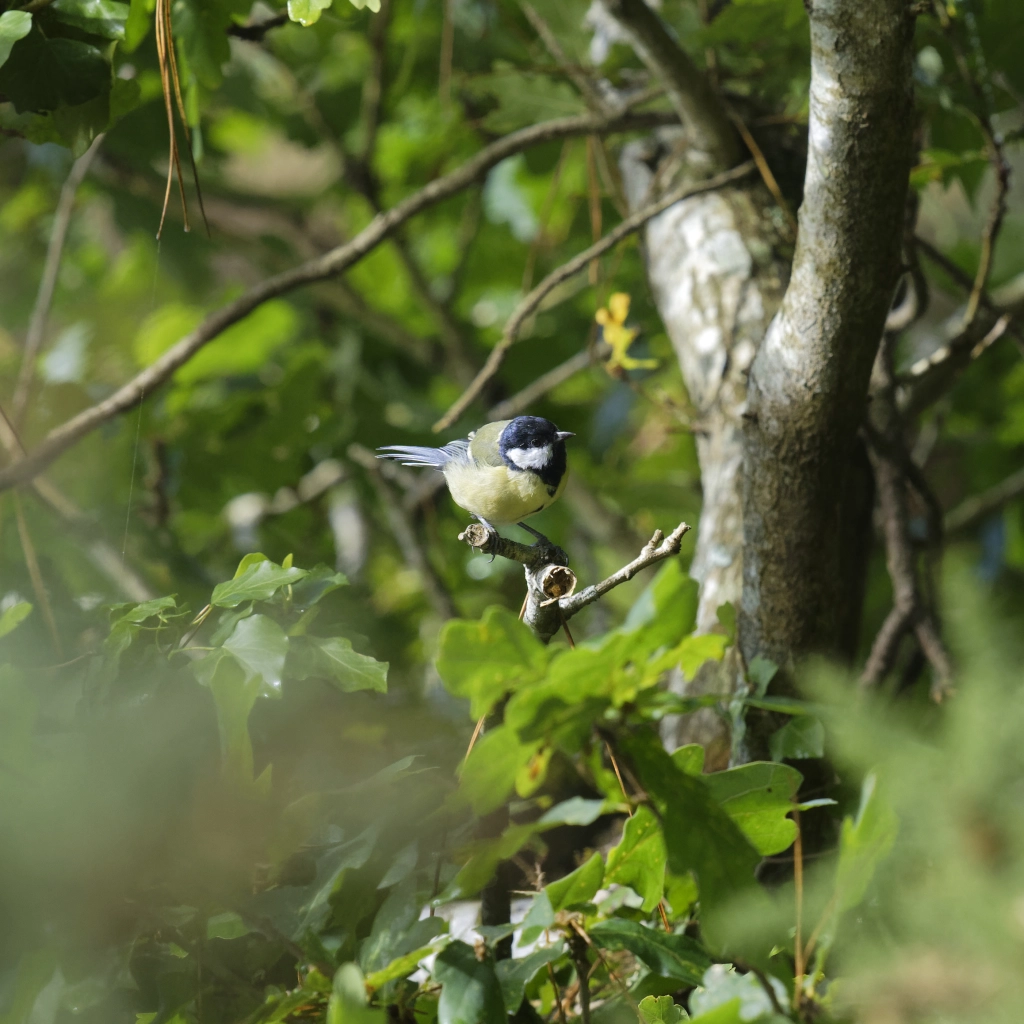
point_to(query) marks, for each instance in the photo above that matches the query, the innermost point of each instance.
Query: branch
(973, 510)
(698, 105)
(931, 377)
(809, 379)
(48, 282)
(522, 400)
(579, 262)
(910, 609)
(550, 583)
(337, 260)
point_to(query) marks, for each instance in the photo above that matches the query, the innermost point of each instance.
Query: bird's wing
(414, 455)
(483, 443)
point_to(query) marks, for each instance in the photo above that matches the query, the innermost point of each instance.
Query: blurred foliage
(215, 808)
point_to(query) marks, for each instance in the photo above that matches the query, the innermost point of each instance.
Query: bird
(503, 473)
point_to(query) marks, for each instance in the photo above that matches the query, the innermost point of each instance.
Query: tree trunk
(779, 381)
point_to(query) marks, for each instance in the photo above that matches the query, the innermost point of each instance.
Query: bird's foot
(558, 556)
(489, 526)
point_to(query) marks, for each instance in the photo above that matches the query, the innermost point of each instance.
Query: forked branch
(551, 599)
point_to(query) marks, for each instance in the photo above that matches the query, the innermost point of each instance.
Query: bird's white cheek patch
(530, 458)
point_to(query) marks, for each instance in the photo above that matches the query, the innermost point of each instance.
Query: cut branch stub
(550, 584)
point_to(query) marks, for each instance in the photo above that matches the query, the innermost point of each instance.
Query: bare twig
(48, 282)
(522, 400)
(764, 170)
(698, 105)
(910, 611)
(798, 881)
(404, 533)
(528, 305)
(551, 599)
(978, 507)
(656, 550)
(574, 72)
(318, 269)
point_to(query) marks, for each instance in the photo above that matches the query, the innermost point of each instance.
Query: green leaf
(482, 661)
(666, 611)
(673, 956)
(863, 843)
(801, 737)
(575, 811)
(695, 650)
(136, 27)
(259, 581)
(661, 1010)
(758, 797)
(639, 859)
(14, 25)
(333, 659)
(577, 887)
(347, 1004)
(104, 18)
(396, 915)
(234, 694)
(14, 617)
(331, 867)
(260, 645)
(689, 759)
(401, 966)
(470, 992)
(723, 986)
(307, 12)
(717, 851)
(43, 74)
(761, 672)
(488, 775)
(226, 926)
(515, 975)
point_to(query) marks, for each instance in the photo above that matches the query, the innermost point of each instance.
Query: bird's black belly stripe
(539, 508)
(551, 491)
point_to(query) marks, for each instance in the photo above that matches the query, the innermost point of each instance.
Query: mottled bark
(809, 381)
(781, 391)
(717, 267)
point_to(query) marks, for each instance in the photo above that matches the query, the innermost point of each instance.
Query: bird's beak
(563, 434)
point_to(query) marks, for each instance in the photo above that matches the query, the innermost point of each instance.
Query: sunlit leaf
(258, 582)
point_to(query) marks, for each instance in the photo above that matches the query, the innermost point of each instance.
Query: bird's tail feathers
(415, 455)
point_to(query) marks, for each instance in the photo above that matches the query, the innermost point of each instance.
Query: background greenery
(250, 816)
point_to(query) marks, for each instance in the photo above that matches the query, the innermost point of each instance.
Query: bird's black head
(536, 445)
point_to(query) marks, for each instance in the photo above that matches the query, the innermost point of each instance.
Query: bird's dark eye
(537, 443)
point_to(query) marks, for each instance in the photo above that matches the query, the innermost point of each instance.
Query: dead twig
(529, 304)
(978, 507)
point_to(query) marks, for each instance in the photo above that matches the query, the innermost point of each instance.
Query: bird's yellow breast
(498, 494)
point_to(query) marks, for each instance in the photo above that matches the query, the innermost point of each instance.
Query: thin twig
(979, 507)
(48, 281)
(522, 400)
(765, 171)
(476, 733)
(656, 550)
(798, 882)
(444, 84)
(530, 302)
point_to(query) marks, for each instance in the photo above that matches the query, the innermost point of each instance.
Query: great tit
(502, 473)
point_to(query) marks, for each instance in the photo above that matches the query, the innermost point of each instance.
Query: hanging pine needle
(171, 85)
